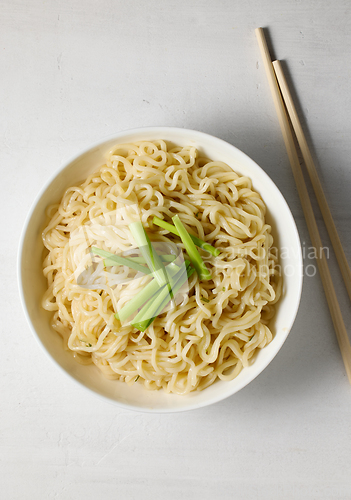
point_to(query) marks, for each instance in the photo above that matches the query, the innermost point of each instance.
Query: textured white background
(73, 72)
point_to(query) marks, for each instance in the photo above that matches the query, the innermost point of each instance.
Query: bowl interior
(32, 283)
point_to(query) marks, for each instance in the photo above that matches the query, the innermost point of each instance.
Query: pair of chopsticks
(286, 110)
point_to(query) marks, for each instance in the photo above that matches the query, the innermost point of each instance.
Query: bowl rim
(117, 136)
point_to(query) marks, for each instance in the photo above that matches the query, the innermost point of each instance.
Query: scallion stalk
(150, 255)
(145, 294)
(197, 241)
(156, 305)
(141, 260)
(191, 250)
(118, 260)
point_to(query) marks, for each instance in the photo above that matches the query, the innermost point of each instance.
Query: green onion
(204, 299)
(151, 257)
(156, 305)
(85, 342)
(145, 294)
(198, 242)
(150, 308)
(122, 261)
(191, 250)
(140, 260)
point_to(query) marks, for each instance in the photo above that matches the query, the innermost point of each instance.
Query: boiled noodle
(216, 327)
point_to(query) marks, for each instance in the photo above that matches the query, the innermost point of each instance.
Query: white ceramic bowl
(32, 283)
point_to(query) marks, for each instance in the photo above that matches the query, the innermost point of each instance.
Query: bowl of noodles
(161, 269)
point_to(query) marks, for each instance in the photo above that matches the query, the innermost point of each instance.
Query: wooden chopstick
(329, 290)
(317, 186)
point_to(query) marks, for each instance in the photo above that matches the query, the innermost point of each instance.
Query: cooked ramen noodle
(217, 326)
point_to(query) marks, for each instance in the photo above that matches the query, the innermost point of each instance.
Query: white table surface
(73, 72)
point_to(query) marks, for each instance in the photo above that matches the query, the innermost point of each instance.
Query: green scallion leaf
(197, 241)
(198, 263)
(150, 255)
(114, 260)
(145, 294)
(156, 305)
